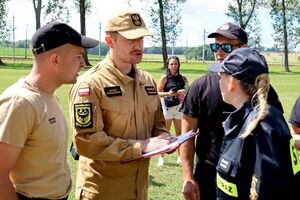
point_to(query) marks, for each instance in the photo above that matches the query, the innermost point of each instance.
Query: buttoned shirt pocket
(116, 116)
(115, 105)
(152, 105)
(151, 114)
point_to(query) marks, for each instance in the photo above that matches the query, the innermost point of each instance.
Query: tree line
(190, 53)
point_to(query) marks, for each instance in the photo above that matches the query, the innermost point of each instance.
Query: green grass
(165, 182)
(8, 51)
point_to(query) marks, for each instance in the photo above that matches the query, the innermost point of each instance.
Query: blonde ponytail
(261, 88)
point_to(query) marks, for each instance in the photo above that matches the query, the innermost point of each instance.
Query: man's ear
(54, 60)
(108, 40)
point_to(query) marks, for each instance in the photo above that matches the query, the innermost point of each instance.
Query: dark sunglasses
(227, 48)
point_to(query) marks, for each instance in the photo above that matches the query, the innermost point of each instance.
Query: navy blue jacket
(264, 165)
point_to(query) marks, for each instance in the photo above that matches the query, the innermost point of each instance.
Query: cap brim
(87, 42)
(215, 67)
(135, 33)
(223, 33)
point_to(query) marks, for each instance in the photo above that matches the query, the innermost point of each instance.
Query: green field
(166, 182)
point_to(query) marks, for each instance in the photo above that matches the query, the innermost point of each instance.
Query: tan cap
(129, 24)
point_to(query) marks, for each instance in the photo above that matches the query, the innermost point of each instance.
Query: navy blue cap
(244, 64)
(231, 31)
(55, 34)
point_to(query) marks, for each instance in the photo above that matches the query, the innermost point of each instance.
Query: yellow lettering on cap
(227, 187)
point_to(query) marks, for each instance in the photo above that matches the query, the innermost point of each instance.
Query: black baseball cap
(244, 64)
(231, 31)
(55, 34)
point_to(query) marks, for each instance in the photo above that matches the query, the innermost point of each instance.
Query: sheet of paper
(170, 147)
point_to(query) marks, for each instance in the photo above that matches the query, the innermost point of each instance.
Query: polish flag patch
(84, 91)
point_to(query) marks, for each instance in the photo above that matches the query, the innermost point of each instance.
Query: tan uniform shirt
(110, 114)
(34, 121)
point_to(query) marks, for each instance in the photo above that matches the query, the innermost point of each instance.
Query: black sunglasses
(227, 48)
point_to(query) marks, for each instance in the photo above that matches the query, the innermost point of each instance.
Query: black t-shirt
(204, 101)
(295, 115)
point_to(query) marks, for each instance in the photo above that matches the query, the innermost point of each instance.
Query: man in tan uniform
(115, 110)
(33, 128)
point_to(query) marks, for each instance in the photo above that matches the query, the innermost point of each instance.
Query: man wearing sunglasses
(204, 110)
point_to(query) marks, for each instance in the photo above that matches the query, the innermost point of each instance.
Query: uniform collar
(237, 118)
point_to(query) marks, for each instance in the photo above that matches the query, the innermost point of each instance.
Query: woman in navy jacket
(258, 158)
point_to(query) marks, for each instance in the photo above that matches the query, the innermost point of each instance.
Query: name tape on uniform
(113, 91)
(151, 90)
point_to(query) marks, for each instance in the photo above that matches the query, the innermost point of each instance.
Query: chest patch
(52, 120)
(113, 91)
(151, 90)
(224, 164)
(83, 115)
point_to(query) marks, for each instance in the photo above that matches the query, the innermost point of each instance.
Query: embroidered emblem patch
(83, 115)
(254, 188)
(136, 19)
(151, 90)
(113, 91)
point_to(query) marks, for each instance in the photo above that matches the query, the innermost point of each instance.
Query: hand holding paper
(165, 145)
(154, 143)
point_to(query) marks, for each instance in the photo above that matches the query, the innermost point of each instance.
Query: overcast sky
(197, 15)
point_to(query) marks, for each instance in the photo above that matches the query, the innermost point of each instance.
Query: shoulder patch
(83, 115)
(151, 90)
(254, 190)
(84, 91)
(113, 91)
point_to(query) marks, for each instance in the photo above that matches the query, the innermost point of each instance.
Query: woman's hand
(172, 93)
(181, 92)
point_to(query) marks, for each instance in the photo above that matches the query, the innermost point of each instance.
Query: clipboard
(165, 149)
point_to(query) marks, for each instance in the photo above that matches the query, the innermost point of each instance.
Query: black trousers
(22, 197)
(205, 175)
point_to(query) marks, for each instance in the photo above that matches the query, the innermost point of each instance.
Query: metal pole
(186, 48)
(14, 38)
(26, 41)
(100, 41)
(203, 57)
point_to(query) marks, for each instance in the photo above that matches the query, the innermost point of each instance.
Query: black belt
(22, 197)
